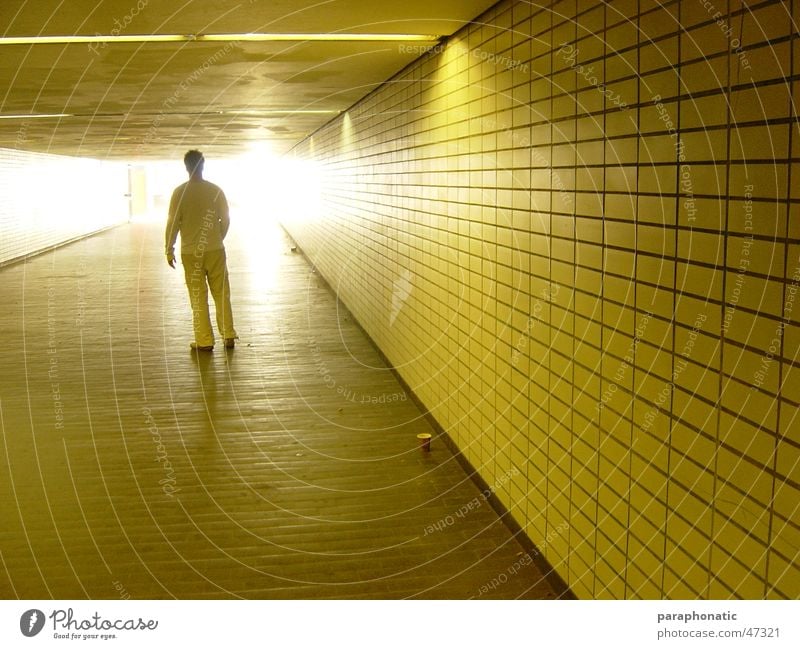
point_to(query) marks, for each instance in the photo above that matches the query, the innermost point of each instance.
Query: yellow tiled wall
(575, 232)
(49, 199)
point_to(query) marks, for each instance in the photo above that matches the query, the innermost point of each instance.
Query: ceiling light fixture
(178, 38)
(252, 113)
(97, 38)
(36, 116)
(334, 36)
(288, 111)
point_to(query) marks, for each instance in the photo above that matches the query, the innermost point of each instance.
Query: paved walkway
(134, 468)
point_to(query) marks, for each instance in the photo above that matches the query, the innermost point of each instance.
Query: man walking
(199, 211)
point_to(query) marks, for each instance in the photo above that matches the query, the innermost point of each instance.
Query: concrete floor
(134, 468)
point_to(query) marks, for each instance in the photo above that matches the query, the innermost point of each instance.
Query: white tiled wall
(49, 199)
(575, 232)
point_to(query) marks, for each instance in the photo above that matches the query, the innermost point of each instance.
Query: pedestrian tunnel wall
(572, 232)
(50, 199)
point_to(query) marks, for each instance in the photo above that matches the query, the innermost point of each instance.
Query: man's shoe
(201, 348)
(230, 343)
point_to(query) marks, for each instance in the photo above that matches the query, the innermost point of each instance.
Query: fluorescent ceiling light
(98, 38)
(254, 113)
(318, 37)
(177, 38)
(36, 116)
(288, 111)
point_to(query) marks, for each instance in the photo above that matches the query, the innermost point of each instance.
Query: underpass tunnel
(514, 284)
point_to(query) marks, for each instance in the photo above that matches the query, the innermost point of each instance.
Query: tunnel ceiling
(153, 100)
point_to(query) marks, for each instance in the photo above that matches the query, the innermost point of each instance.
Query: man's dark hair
(192, 160)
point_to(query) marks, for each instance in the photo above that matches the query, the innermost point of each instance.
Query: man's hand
(171, 259)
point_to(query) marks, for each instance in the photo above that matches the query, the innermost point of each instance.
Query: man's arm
(222, 213)
(173, 225)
